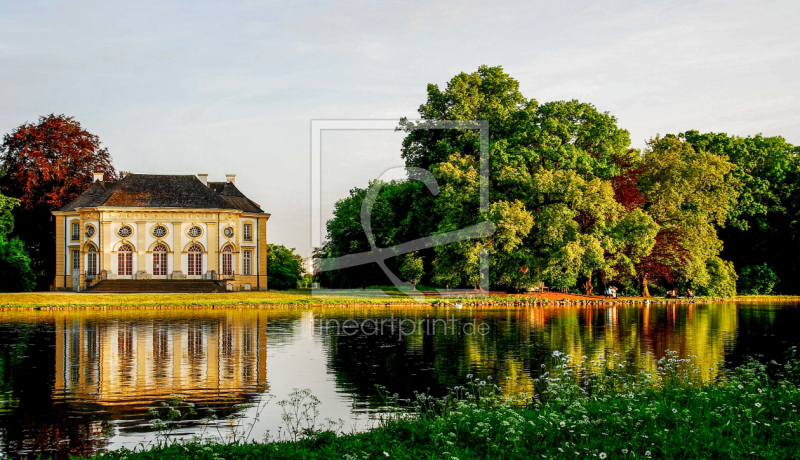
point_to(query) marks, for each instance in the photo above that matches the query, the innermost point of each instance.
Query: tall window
(247, 232)
(227, 261)
(160, 260)
(76, 261)
(195, 260)
(247, 262)
(125, 260)
(91, 261)
(76, 231)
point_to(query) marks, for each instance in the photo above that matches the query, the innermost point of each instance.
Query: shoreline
(293, 300)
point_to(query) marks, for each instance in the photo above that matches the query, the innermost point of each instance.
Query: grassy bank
(751, 412)
(303, 298)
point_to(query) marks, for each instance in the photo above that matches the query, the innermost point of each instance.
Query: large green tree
(689, 194)
(551, 198)
(571, 203)
(765, 222)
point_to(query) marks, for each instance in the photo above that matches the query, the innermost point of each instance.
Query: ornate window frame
(247, 262)
(152, 247)
(120, 227)
(190, 243)
(155, 226)
(232, 229)
(193, 225)
(119, 244)
(245, 236)
(87, 252)
(86, 231)
(74, 224)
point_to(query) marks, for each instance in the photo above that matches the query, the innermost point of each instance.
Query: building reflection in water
(127, 362)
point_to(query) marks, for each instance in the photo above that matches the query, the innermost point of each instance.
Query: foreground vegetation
(585, 407)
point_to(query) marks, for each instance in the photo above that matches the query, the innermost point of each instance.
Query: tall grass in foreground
(750, 412)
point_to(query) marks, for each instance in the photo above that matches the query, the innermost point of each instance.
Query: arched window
(195, 259)
(160, 260)
(91, 261)
(125, 260)
(227, 261)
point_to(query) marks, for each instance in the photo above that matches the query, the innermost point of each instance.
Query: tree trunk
(587, 286)
(645, 291)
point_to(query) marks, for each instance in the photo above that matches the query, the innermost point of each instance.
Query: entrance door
(195, 260)
(125, 261)
(76, 271)
(160, 261)
(227, 261)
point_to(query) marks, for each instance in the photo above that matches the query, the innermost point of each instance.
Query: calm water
(79, 382)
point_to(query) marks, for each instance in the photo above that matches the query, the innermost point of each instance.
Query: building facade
(167, 227)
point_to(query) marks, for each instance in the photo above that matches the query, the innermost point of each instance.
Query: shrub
(757, 279)
(722, 279)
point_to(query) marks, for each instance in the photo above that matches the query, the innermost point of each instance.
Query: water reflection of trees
(520, 341)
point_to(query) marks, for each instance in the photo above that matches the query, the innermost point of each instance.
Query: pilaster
(81, 262)
(262, 253)
(106, 242)
(141, 250)
(177, 248)
(60, 249)
(213, 246)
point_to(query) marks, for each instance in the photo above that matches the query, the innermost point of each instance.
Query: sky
(228, 87)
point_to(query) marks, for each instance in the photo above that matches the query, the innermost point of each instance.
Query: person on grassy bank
(584, 407)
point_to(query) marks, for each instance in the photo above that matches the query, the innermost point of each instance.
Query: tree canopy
(46, 165)
(284, 267)
(572, 203)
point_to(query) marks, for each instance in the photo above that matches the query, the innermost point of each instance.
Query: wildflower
(647, 453)
(624, 451)
(603, 455)
(758, 404)
(563, 424)
(560, 449)
(557, 353)
(385, 453)
(741, 387)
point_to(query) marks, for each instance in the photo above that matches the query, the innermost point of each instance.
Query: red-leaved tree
(46, 165)
(50, 163)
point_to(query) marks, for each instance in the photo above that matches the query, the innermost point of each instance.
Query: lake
(78, 382)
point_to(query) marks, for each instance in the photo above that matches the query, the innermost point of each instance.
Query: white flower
(562, 424)
(624, 451)
(674, 411)
(603, 455)
(560, 449)
(758, 404)
(557, 353)
(741, 387)
(385, 453)
(647, 453)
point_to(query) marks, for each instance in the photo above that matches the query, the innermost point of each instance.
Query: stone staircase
(148, 286)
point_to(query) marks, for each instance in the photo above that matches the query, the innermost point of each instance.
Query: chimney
(203, 178)
(98, 176)
(230, 178)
